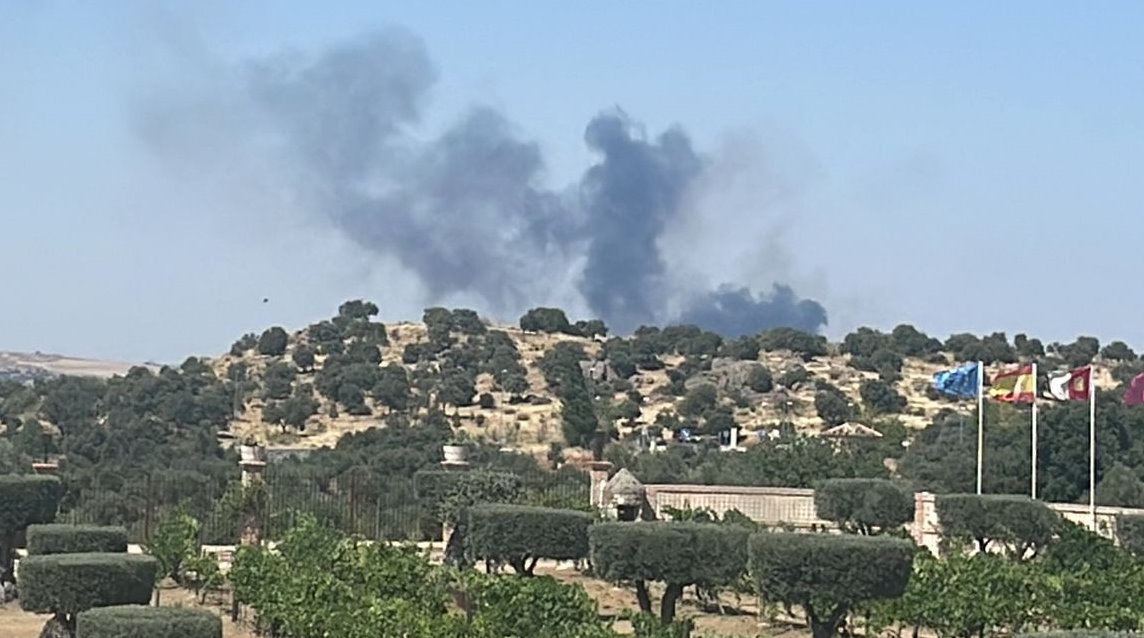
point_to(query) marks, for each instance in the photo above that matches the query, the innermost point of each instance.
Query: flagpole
(1092, 445)
(1034, 459)
(980, 419)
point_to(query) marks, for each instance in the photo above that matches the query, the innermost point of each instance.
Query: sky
(961, 166)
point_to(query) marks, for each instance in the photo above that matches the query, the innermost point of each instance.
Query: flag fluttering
(1013, 385)
(1134, 394)
(1073, 385)
(961, 381)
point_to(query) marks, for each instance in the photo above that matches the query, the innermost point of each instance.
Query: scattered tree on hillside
(881, 397)
(545, 320)
(759, 379)
(278, 380)
(832, 406)
(273, 342)
(245, 343)
(303, 357)
(358, 309)
(1118, 351)
(908, 341)
(793, 340)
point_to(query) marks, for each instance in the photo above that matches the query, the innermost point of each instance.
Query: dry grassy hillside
(535, 423)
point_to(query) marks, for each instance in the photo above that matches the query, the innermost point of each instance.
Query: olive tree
(67, 584)
(24, 500)
(521, 536)
(864, 506)
(1019, 524)
(141, 621)
(828, 574)
(676, 554)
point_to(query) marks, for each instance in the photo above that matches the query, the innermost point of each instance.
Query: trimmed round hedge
(868, 506)
(28, 499)
(71, 583)
(75, 539)
(796, 567)
(515, 533)
(141, 621)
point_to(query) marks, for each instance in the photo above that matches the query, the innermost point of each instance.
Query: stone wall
(794, 507)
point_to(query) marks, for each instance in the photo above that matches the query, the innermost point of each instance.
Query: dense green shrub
(676, 554)
(140, 621)
(1018, 523)
(520, 535)
(24, 500)
(545, 320)
(71, 583)
(1130, 533)
(76, 539)
(795, 340)
(541, 606)
(828, 574)
(864, 506)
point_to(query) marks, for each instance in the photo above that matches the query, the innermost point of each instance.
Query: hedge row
(26, 500)
(516, 533)
(75, 539)
(1018, 522)
(71, 583)
(668, 552)
(868, 506)
(140, 621)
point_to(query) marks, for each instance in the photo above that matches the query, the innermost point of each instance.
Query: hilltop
(503, 383)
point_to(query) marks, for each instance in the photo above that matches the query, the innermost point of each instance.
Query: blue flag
(959, 382)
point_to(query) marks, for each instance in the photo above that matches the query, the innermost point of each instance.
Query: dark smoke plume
(466, 212)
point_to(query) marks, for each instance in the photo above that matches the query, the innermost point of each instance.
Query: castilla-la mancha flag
(1134, 394)
(1014, 384)
(1073, 385)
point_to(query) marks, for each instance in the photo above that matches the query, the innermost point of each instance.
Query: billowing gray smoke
(466, 212)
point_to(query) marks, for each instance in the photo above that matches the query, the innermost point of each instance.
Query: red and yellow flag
(1013, 385)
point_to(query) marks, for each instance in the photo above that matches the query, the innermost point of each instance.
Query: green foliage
(864, 342)
(832, 407)
(545, 320)
(793, 340)
(864, 506)
(994, 348)
(881, 397)
(245, 343)
(141, 621)
(829, 574)
(526, 607)
(521, 535)
(358, 309)
(75, 539)
(318, 582)
(792, 377)
(1118, 351)
(71, 583)
(654, 551)
(174, 543)
(759, 379)
(1130, 533)
(273, 342)
(911, 342)
(743, 348)
(12, 460)
(303, 357)
(1018, 524)
(699, 400)
(278, 380)
(24, 500)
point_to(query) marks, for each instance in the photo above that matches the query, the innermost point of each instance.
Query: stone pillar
(924, 517)
(451, 466)
(251, 472)
(597, 479)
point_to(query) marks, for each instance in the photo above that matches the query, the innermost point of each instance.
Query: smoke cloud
(467, 212)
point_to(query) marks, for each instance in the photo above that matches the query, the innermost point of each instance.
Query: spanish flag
(1013, 385)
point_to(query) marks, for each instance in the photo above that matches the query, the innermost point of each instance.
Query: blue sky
(963, 166)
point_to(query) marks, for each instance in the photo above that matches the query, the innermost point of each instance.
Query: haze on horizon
(960, 167)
